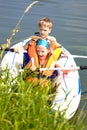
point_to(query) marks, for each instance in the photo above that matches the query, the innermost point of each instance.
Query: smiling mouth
(40, 57)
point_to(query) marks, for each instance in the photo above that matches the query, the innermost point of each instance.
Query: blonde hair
(45, 22)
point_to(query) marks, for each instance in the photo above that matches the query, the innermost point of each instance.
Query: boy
(45, 27)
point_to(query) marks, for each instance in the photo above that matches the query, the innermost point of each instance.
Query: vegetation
(26, 106)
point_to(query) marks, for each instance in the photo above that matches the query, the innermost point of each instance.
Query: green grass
(24, 106)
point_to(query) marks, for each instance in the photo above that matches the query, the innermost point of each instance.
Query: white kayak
(68, 93)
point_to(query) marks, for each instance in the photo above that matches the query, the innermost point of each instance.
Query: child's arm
(18, 49)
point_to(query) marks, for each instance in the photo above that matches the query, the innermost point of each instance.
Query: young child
(43, 58)
(45, 28)
(41, 54)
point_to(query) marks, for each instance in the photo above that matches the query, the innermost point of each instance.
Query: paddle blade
(83, 67)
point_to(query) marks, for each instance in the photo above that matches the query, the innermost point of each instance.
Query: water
(69, 24)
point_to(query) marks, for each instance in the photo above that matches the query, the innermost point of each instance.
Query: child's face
(42, 52)
(44, 31)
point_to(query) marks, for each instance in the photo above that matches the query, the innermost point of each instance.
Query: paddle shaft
(78, 56)
(12, 50)
(8, 49)
(65, 68)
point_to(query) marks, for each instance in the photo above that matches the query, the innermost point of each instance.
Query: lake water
(69, 24)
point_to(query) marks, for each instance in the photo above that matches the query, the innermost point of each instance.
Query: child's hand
(16, 50)
(33, 68)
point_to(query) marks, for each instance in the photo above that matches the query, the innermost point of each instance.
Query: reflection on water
(69, 18)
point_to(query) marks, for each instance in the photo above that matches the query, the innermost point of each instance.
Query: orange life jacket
(33, 55)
